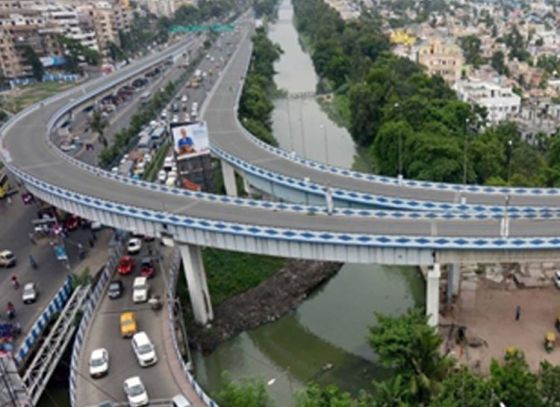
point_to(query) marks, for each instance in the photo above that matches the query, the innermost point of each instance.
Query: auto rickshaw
(514, 353)
(549, 341)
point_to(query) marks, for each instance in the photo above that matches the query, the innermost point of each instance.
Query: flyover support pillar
(228, 174)
(247, 187)
(197, 284)
(432, 294)
(453, 281)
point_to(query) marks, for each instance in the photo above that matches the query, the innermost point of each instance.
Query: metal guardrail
(56, 305)
(39, 372)
(171, 288)
(88, 312)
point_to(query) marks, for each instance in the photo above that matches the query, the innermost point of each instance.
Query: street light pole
(510, 145)
(465, 151)
(399, 158)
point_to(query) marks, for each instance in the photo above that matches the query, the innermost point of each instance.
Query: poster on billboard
(190, 139)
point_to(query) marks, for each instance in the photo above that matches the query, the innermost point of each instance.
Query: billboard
(190, 139)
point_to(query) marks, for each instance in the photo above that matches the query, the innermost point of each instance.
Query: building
(500, 101)
(160, 8)
(108, 18)
(442, 58)
(70, 23)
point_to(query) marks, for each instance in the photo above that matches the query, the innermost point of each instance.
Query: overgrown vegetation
(255, 106)
(425, 378)
(231, 273)
(412, 123)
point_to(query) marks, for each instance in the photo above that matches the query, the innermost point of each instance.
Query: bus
(4, 183)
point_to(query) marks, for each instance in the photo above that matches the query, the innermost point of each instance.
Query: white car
(140, 290)
(557, 278)
(29, 293)
(162, 176)
(134, 246)
(136, 392)
(99, 363)
(175, 118)
(144, 349)
(184, 99)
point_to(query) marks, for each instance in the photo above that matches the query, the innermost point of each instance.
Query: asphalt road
(30, 152)
(15, 219)
(104, 332)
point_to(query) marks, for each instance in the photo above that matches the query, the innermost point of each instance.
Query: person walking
(517, 312)
(32, 261)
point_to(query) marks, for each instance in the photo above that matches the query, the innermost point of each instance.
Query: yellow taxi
(128, 324)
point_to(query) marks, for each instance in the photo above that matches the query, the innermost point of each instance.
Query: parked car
(128, 324)
(134, 245)
(557, 278)
(144, 349)
(116, 289)
(140, 290)
(147, 268)
(30, 293)
(126, 265)
(136, 392)
(7, 259)
(99, 363)
(162, 176)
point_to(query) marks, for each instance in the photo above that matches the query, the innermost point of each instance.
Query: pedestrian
(517, 312)
(32, 238)
(32, 261)
(9, 199)
(91, 242)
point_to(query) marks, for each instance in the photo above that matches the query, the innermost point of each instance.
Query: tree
(498, 62)
(463, 388)
(409, 345)
(549, 380)
(471, 49)
(33, 60)
(329, 396)
(388, 144)
(248, 393)
(98, 124)
(513, 384)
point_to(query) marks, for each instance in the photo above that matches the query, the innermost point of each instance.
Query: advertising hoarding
(190, 139)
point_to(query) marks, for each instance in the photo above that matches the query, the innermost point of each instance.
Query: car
(67, 147)
(106, 403)
(128, 324)
(162, 176)
(99, 363)
(7, 259)
(175, 118)
(134, 245)
(30, 293)
(185, 98)
(180, 401)
(136, 392)
(71, 223)
(126, 265)
(557, 278)
(115, 290)
(144, 349)
(140, 290)
(147, 268)
(95, 225)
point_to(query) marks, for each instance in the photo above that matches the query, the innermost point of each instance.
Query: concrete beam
(432, 294)
(197, 284)
(228, 174)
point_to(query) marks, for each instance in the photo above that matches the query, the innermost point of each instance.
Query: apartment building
(441, 57)
(500, 101)
(107, 18)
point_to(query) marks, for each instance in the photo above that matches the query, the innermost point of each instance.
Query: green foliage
(328, 396)
(32, 59)
(513, 384)
(265, 8)
(471, 49)
(549, 379)
(231, 273)
(247, 393)
(75, 53)
(498, 63)
(407, 344)
(255, 106)
(463, 388)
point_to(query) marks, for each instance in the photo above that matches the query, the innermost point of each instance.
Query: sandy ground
(488, 312)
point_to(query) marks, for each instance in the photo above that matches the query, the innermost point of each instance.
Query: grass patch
(337, 109)
(25, 96)
(157, 162)
(231, 273)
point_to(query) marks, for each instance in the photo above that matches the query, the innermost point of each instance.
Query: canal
(330, 328)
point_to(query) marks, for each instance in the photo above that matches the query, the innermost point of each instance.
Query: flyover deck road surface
(30, 152)
(162, 380)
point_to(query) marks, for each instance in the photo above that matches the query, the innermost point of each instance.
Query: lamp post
(465, 151)
(510, 147)
(399, 158)
(322, 126)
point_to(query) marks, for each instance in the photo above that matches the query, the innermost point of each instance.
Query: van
(140, 290)
(180, 401)
(144, 349)
(168, 164)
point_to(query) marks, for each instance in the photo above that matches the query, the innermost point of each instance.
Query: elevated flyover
(196, 219)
